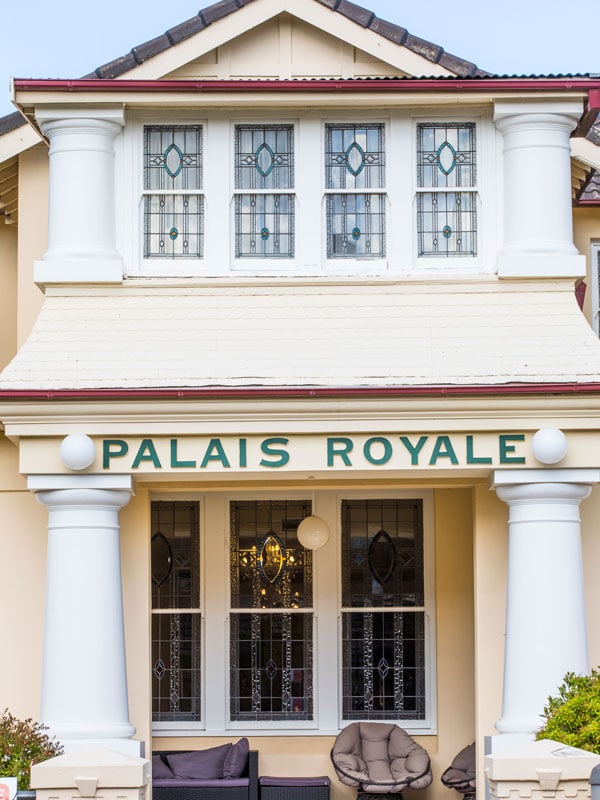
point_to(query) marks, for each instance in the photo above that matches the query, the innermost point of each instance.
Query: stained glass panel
(172, 157)
(382, 553)
(271, 654)
(447, 223)
(355, 225)
(176, 667)
(383, 665)
(446, 155)
(173, 226)
(253, 523)
(383, 652)
(271, 666)
(176, 637)
(354, 156)
(264, 157)
(264, 226)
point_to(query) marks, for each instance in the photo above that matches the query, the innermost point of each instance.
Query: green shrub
(573, 717)
(22, 744)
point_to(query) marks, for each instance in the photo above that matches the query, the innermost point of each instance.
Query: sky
(70, 38)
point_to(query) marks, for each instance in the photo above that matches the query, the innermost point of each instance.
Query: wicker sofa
(194, 774)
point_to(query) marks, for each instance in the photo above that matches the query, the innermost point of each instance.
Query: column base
(538, 265)
(93, 270)
(132, 748)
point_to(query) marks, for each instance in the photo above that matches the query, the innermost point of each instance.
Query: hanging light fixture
(313, 531)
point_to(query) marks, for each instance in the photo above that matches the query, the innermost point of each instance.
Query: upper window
(222, 196)
(355, 190)
(173, 198)
(446, 189)
(264, 191)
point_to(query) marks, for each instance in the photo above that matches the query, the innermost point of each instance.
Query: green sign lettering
(268, 449)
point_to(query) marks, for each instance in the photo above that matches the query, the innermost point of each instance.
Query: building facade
(287, 261)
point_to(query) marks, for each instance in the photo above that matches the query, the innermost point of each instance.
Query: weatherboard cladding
(306, 336)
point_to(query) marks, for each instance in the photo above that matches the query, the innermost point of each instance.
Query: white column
(81, 216)
(546, 633)
(84, 679)
(538, 226)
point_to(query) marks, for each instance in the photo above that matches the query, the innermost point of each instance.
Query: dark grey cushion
(222, 783)
(199, 764)
(236, 759)
(160, 769)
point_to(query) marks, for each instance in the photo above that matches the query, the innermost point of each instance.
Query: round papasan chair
(461, 774)
(379, 758)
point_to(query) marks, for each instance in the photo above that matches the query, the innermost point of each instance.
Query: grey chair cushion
(461, 774)
(380, 758)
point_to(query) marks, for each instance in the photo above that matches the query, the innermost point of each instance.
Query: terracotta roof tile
(185, 29)
(388, 30)
(151, 48)
(10, 122)
(362, 16)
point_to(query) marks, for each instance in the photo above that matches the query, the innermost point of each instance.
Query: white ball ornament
(77, 451)
(549, 445)
(313, 532)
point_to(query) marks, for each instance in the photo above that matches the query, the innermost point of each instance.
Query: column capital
(48, 483)
(105, 113)
(529, 113)
(519, 477)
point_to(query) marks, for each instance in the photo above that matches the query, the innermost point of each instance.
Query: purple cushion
(160, 769)
(199, 764)
(320, 780)
(187, 783)
(236, 759)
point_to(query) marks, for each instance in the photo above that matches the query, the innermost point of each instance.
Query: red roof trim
(298, 393)
(315, 85)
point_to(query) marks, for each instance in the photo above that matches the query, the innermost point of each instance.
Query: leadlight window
(446, 189)
(176, 613)
(355, 188)
(271, 643)
(173, 197)
(264, 191)
(383, 610)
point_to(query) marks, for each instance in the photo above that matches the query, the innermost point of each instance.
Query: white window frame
(364, 264)
(487, 165)
(184, 727)
(401, 258)
(267, 266)
(327, 657)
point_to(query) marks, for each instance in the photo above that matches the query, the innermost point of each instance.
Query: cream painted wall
(454, 624)
(23, 536)
(8, 288)
(33, 233)
(135, 553)
(490, 531)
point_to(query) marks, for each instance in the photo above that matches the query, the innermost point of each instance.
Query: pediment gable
(285, 39)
